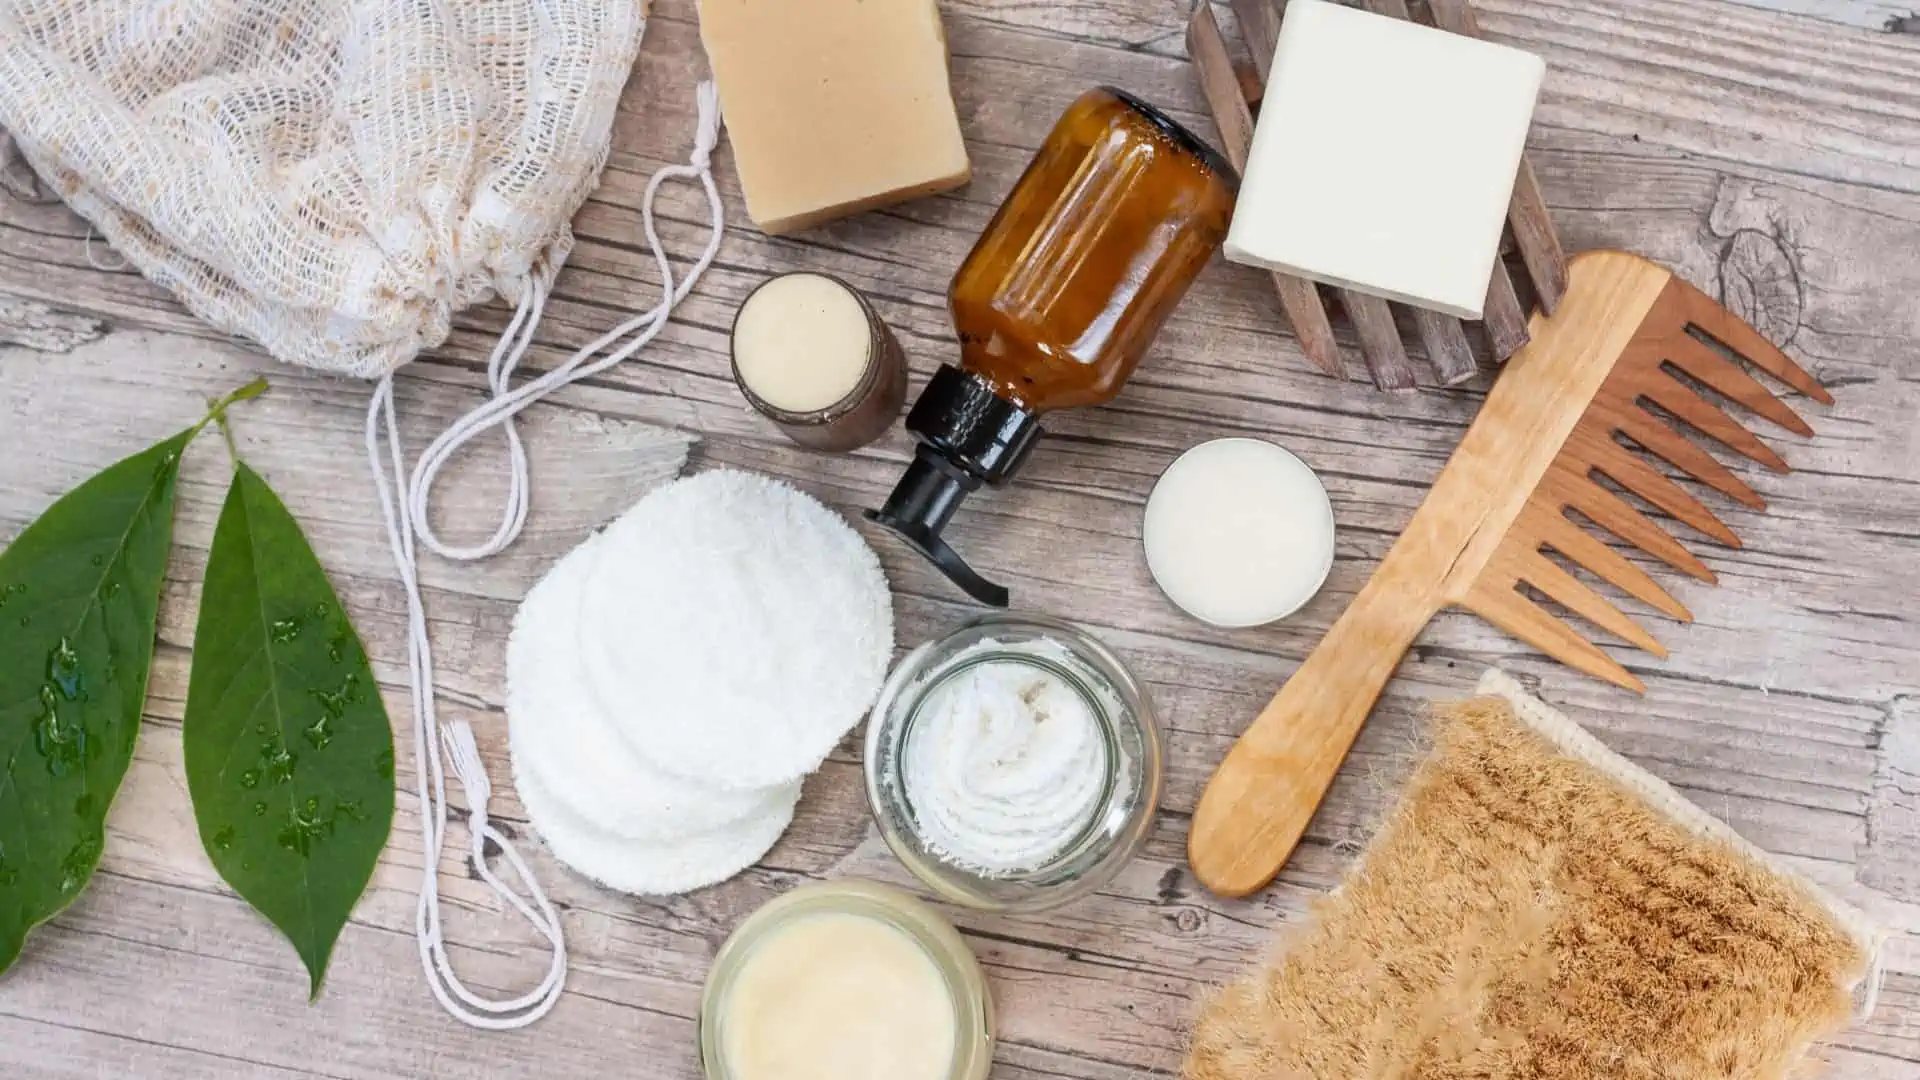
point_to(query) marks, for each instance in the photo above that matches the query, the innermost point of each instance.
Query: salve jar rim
(1333, 534)
(869, 376)
(959, 969)
(1046, 888)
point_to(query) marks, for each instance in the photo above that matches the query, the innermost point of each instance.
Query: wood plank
(1380, 344)
(1887, 16)
(1446, 344)
(1260, 28)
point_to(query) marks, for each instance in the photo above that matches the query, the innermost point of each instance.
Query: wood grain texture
(1789, 706)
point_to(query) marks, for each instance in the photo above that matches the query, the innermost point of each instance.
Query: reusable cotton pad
(1238, 532)
(736, 627)
(650, 868)
(575, 750)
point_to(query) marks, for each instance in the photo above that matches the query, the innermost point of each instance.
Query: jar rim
(959, 969)
(870, 373)
(1097, 850)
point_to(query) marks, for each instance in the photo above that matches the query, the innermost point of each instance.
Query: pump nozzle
(920, 506)
(969, 436)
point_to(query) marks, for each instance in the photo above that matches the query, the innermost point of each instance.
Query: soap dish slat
(1227, 85)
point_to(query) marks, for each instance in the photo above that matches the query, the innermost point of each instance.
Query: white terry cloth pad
(737, 627)
(644, 868)
(575, 751)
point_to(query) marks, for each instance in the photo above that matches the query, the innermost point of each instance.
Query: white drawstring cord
(404, 498)
(1876, 978)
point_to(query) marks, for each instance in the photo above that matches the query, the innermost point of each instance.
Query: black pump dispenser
(1057, 303)
(968, 436)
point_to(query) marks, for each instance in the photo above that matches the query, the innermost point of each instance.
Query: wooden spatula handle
(1258, 803)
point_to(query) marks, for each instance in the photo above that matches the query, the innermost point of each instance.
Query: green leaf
(289, 753)
(79, 597)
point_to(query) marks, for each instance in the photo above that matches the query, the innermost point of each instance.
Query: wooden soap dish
(1231, 90)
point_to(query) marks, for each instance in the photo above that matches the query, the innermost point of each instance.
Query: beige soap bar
(833, 106)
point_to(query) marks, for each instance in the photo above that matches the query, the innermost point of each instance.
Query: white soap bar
(1239, 532)
(1385, 156)
(801, 342)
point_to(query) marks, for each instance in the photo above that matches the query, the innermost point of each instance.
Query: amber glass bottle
(1058, 301)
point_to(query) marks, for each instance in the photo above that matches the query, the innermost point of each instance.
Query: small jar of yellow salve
(846, 980)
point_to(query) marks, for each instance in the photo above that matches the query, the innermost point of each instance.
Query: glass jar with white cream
(1014, 764)
(846, 980)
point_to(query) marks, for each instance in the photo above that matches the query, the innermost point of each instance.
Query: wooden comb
(1597, 375)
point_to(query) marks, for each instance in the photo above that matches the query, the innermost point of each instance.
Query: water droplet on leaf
(278, 761)
(98, 560)
(113, 589)
(223, 839)
(336, 701)
(320, 610)
(250, 779)
(60, 741)
(79, 862)
(283, 630)
(304, 827)
(319, 734)
(383, 763)
(63, 669)
(259, 809)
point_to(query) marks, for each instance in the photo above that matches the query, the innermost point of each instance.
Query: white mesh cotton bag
(335, 179)
(332, 179)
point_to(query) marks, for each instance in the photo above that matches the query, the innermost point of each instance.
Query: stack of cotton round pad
(672, 680)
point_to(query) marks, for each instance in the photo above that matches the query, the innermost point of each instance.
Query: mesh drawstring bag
(335, 179)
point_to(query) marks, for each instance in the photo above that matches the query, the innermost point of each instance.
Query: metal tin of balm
(845, 980)
(1238, 533)
(812, 355)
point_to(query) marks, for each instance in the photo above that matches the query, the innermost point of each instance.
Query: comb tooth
(1632, 472)
(1686, 455)
(1619, 517)
(1680, 399)
(1733, 332)
(1556, 531)
(1580, 598)
(1506, 608)
(1704, 362)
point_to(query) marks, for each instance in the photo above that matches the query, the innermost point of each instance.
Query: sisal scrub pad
(1539, 907)
(736, 628)
(646, 868)
(574, 750)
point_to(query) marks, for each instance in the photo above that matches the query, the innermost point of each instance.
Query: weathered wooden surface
(1772, 159)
